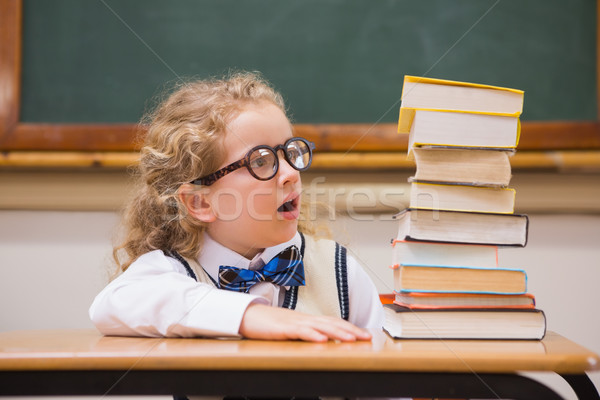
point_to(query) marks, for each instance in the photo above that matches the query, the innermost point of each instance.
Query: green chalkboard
(335, 61)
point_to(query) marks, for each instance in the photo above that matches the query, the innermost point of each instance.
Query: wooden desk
(82, 362)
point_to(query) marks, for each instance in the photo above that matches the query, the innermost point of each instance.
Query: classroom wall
(53, 259)
(56, 225)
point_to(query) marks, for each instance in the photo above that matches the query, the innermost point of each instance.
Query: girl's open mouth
(289, 210)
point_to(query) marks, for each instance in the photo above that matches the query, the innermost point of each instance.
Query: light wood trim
(360, 192)
(540, 160)
(68, 159)
(557, 160)
(85, 350)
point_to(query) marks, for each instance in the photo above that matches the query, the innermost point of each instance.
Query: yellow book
(481, 199)
(456, 129)
(445, 95)
(437, 112)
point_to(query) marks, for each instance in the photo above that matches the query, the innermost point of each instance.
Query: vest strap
(341, 277)
(188, 269)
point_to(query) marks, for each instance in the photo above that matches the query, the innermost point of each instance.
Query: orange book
(387, 298)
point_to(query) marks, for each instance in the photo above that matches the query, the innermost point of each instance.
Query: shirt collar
(214, 254)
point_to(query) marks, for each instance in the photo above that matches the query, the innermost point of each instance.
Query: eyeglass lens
(264, 164)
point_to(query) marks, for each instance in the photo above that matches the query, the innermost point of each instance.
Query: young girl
(213, 245)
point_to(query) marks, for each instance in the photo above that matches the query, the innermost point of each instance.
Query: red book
(439, 301)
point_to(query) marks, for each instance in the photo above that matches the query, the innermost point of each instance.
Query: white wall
(52, 263)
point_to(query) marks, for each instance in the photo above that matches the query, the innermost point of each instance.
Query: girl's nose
(286, 172)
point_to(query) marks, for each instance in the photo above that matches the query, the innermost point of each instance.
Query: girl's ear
(196, 202)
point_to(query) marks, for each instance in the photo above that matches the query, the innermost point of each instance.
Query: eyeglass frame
(245, 162)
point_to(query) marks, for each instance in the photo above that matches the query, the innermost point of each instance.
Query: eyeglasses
(262, 161)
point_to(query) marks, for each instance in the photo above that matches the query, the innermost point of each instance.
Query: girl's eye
(298, 154)
(259, 162)
(293, 153)
(261, 159)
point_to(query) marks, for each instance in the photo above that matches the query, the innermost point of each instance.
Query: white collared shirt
(214, 254)
(156, 297)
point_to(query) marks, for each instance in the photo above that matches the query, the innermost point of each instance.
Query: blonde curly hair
(183, 142)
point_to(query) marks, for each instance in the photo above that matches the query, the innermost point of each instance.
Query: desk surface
(88, 350)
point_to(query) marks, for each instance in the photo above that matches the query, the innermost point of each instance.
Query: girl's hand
(265, 322)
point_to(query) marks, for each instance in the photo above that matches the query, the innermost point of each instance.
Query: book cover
(458, 279)
(504, 324)
(435, 196)
(462, 227)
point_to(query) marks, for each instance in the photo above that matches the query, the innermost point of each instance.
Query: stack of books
(447, 280)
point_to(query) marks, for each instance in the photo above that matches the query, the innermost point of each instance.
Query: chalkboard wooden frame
(16, 136)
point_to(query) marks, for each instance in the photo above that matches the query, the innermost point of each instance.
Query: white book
(404, 323)
(462, 227)
(434, 253)
(462, 166)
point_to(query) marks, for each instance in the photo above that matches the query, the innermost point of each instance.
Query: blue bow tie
(285, 269)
